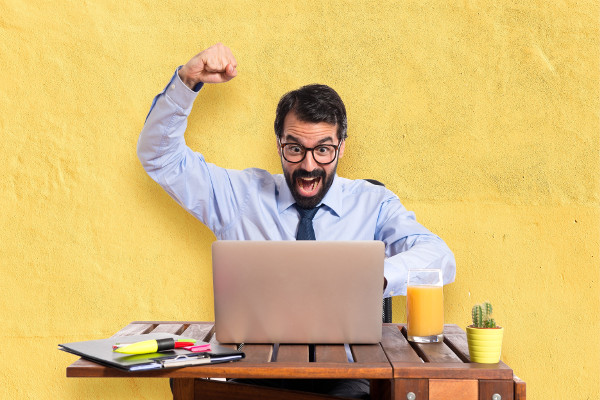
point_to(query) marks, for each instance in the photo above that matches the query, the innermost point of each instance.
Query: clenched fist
(213, 65)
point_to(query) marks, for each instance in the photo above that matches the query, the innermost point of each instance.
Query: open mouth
(308, 186)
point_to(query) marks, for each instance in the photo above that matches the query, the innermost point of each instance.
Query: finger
(217, 58)
(230, 70)
(231, 60)
(219, 64)
(227, 56)
(214, 64)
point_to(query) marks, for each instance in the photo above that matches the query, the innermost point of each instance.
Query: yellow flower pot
(485, 344)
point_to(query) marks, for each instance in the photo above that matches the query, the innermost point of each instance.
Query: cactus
(477, 314)
(481, 314)
(488, 309)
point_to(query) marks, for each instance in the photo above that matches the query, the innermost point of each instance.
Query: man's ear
(342, 146)
(278, 146)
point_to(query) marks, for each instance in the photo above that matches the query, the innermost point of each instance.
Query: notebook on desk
(298, 291)
(101, 352)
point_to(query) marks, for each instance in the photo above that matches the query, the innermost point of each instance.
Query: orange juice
(425, 310)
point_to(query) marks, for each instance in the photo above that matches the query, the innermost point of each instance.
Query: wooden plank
(464, 389)
(437, 353)
(520, 388)
(434, 352)
(487, 388)
(83, 368)
(135, 329)
(452, 329)
(402, 387)
(174, 328)
(451, 371)
(395, 345)
(331, 354)
(257, 353)
(200, 332)
(183, 389)
(458, 344)
(214, 390)
(297, 353)
(368, 353)
(239, 369)
(289, 370)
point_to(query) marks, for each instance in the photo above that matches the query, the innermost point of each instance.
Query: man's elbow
(449, 266)
(144, 155)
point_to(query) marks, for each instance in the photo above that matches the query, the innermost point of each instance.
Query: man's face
(308, 180)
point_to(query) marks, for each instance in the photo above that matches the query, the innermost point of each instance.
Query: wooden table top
(394, 357)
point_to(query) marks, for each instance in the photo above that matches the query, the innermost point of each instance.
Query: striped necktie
(305, 227)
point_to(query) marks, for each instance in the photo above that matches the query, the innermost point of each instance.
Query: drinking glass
(425, 305)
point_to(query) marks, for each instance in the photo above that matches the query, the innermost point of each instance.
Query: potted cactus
(484, 337)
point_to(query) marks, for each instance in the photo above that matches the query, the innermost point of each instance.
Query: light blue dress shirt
(253, 204)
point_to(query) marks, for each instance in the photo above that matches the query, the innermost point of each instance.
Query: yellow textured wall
(482, 116)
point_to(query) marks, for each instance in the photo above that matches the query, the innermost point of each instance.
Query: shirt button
(391, 292)
(172, 87)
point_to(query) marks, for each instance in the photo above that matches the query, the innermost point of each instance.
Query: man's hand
(213, 65)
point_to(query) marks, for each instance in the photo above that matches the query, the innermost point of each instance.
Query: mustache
(302, 173)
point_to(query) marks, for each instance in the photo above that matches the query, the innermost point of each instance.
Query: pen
(152, 346)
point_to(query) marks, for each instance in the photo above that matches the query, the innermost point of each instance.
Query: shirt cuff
(180, 93)
(396, 279)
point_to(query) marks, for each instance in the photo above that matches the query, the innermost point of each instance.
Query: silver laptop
(298, 291)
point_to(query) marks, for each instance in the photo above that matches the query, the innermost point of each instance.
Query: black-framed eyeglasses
(323, 154)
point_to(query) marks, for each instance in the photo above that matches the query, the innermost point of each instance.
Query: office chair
(387, 302)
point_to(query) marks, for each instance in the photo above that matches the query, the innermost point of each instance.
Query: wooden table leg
(520, 388)
(183, 388)
(402, 387)
(381, 389)
(487, 389)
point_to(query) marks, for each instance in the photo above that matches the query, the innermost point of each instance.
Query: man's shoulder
(257, 177)
(357, 186)
(251, 173)
(262, 174)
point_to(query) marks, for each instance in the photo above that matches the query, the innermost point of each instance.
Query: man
(252, 204)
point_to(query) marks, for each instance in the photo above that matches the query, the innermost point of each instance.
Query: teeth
(313, 183)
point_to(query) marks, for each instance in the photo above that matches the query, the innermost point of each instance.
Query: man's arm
(162, 149)
(410, 245)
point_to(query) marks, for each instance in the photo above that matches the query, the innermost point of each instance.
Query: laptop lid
(298, 291)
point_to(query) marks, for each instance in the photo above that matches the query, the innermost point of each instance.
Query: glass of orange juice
(425, 305)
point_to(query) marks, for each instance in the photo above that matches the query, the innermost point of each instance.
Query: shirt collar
(332, 199)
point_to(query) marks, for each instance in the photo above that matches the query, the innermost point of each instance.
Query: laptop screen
(298, 291)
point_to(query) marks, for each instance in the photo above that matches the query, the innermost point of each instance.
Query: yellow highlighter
(152, 346)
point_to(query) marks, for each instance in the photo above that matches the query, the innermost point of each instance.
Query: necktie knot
(307, 213)
(305, 227)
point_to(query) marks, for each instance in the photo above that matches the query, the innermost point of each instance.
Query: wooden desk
(395, 367)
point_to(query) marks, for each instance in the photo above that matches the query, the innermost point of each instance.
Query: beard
(312, 201)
